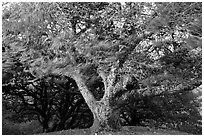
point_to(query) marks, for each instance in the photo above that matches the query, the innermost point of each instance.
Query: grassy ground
(127, 130)
(33, 127)
(28, 128)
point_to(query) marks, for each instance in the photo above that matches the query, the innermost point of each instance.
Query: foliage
(157, 44)
(171, 110)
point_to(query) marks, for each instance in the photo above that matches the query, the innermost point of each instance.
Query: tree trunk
(105, 112)
(105, 117)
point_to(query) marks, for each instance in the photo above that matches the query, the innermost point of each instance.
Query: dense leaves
(175, 110)
(154, 48)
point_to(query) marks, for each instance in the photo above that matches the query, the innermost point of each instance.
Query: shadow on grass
(127, 130)
(25, 128)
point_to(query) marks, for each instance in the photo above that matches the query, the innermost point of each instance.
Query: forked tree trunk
(106, 114)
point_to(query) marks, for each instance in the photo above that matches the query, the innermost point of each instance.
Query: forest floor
(127, 130)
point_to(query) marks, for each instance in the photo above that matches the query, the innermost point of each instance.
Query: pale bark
(106, 115)
(105, 111)
(87, 95)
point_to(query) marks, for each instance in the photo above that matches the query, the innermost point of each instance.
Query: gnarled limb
(88, 96)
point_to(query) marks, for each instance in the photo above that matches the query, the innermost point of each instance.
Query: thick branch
(88, 96)
(73, 72)
(109, 82)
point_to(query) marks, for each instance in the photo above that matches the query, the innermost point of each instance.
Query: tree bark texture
(105, 117)
(106, 113)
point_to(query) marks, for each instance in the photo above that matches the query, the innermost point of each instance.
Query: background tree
(55, 102)
(170, 110)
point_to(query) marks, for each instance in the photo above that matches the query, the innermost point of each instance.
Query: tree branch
(88, 96)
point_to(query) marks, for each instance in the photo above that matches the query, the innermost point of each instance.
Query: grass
(33, 127)
(127, 130)
(27, 128)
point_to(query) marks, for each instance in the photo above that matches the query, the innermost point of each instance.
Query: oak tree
(102, 46)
